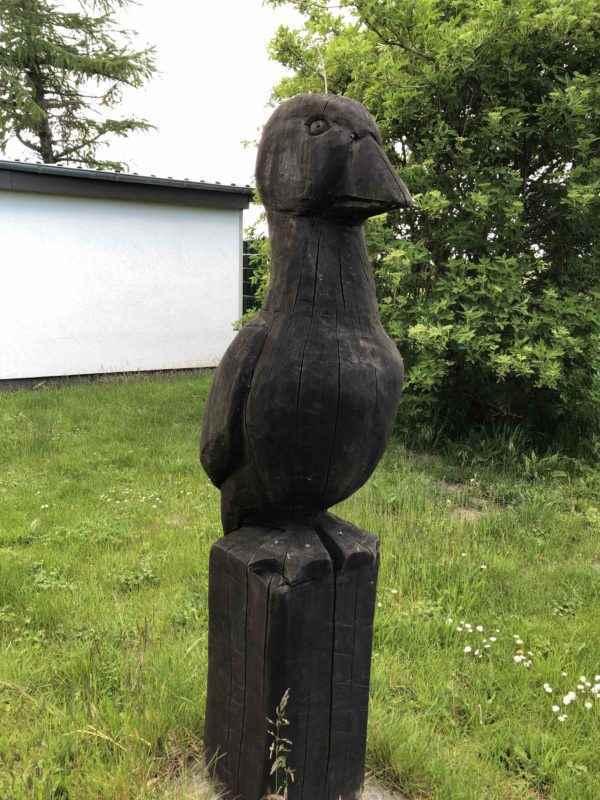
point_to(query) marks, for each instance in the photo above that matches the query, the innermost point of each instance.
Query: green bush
(491, 112)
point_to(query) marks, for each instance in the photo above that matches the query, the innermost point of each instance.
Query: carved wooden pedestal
(291, 609)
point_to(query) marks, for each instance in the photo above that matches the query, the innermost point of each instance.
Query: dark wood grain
(300, 412)
(271, 610)
(304, 400)
(355, 555)
(291, 610)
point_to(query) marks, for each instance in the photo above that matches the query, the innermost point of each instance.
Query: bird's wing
(222, 441)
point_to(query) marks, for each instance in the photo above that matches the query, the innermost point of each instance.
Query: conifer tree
(60, 71)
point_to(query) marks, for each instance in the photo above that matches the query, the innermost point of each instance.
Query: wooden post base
(291, 609)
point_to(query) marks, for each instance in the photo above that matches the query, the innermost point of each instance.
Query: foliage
(258, 248)
(260, 258)
(60, 71)
(102, 689)
(491, 112)
(280, 750)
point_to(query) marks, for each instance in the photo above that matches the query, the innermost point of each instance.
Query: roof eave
(50, 179)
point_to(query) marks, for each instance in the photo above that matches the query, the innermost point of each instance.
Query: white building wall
(91, 286)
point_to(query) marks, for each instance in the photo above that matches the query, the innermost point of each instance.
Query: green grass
(106, 521)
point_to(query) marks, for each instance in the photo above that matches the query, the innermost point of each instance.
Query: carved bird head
(323, 155)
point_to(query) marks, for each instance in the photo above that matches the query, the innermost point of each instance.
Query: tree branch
(394, 42)
(26, 143)
(76, 147)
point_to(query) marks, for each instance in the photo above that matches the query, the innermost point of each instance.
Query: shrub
(491, 112)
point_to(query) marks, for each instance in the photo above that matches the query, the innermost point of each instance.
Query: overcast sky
(211, 91)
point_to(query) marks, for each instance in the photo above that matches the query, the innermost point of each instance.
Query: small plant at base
(279, 751)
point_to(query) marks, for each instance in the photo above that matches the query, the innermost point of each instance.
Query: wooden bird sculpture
(304, 399)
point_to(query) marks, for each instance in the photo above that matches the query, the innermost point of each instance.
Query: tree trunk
(43, 131)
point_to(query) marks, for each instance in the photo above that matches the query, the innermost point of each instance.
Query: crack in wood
(338, 408)
(341, 278)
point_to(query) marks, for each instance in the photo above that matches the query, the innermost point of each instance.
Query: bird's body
(304, 400)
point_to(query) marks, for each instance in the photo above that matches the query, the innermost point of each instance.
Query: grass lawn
(106, 521)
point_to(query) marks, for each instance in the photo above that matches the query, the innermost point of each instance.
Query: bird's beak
(371, 185)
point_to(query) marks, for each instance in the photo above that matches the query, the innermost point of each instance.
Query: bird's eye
(318, 126)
